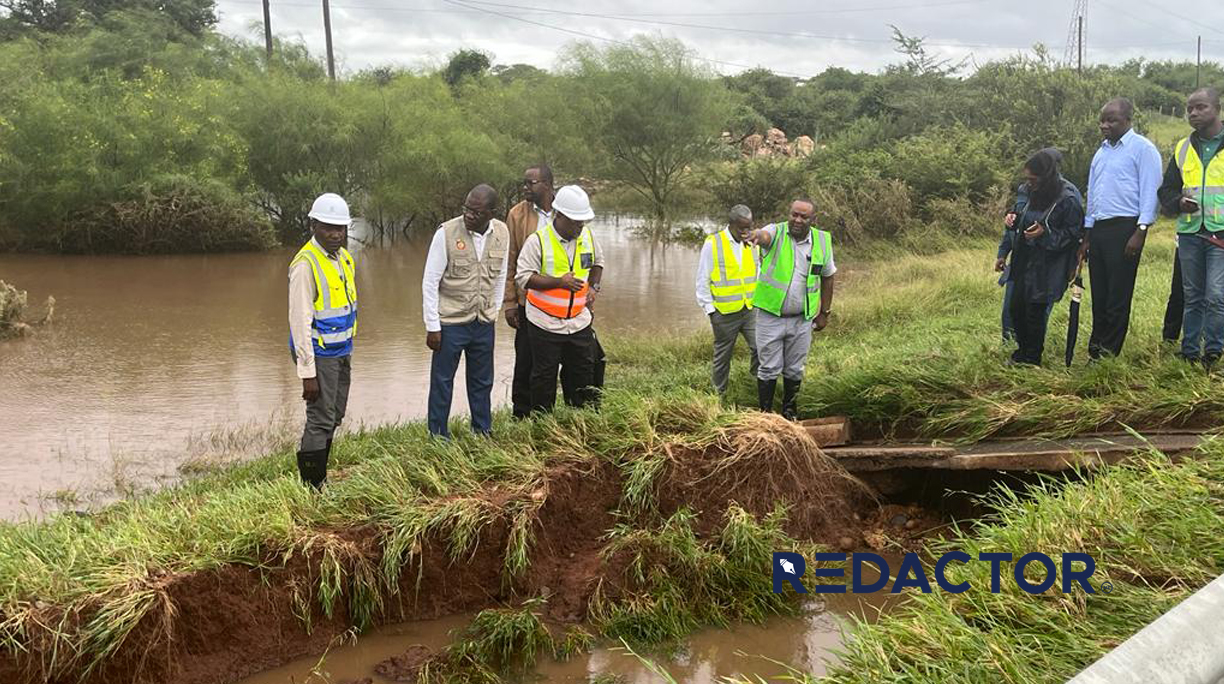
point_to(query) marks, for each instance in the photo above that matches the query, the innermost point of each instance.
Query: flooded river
(156, 360)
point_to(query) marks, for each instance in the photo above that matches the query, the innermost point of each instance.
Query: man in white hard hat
(560, 268)
(322, 323)
(463, 288)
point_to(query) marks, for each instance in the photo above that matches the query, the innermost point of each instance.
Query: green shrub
(874, 209)
(952, 161)
(172, 214)
(765, 184)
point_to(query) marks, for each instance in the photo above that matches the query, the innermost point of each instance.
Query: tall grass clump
(674, 581)
(1155, 529)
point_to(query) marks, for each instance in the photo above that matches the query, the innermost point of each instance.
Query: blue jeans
(1202, 266)
(475, 341)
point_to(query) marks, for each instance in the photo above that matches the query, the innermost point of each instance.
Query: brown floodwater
(154, 361)
(805, 643)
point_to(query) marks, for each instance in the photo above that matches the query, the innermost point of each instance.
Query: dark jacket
(1042, 268)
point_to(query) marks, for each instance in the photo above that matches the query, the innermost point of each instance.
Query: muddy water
(805, 643)
(154, 360)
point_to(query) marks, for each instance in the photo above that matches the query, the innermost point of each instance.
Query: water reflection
(150, 354)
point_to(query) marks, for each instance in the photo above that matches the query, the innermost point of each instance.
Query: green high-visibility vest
(778, 266)
(1203, 184)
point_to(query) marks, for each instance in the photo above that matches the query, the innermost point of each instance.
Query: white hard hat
(331, 208)
(572, 201)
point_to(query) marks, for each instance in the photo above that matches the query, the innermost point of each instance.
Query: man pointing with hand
(793, 298)
(560, 267)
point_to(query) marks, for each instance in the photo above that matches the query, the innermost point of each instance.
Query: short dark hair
(485, 193)
(1125, 107)
(806, 200)
(545, 170)
(1211, 92)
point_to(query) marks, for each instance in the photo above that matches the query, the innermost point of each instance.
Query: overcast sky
(796, 37)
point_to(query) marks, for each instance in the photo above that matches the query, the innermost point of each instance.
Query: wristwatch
(826, 312)
(1143, 227)
(596, 286)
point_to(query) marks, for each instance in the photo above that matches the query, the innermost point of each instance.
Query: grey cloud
(376, 32)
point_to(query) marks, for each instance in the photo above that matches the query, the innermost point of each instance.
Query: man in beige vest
(463, 288)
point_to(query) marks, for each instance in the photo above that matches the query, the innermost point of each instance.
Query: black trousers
(572, 355)
(1112, 279)
(1176, 306)
(1030, 320)
(520, 387)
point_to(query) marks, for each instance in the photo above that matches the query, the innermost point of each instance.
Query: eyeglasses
(531, 183)
(476, 212)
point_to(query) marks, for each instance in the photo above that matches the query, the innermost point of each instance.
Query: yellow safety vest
(731, 283)
(1205, 185)
(554, 261)
(335, 304)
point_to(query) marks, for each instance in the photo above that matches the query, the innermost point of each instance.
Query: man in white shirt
(725, 281)
(462, 289)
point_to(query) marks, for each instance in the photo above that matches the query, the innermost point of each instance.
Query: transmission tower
(1073, 56)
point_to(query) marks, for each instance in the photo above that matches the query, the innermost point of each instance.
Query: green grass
(105, 574)
(675, 581)
(1156, 531)
(914, 347)
(1164, 131)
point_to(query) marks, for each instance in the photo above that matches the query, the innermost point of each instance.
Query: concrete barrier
(1183, 646)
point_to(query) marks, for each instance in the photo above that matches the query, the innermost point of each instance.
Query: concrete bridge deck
(1008, 454)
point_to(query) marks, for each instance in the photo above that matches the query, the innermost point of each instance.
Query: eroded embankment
(580, 532)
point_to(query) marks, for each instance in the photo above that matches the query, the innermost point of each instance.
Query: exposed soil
(220, 625)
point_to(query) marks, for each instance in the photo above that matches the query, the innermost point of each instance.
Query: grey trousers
(324, 415)
(782, 343)
(726, 328)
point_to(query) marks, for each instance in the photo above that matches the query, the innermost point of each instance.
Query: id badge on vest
(585, 260)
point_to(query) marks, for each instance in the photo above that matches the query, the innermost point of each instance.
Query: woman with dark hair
(1046, 232)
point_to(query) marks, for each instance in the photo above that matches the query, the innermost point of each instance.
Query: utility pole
(268, 30)
(1198, 66)
(331, 61)
(1080, 64)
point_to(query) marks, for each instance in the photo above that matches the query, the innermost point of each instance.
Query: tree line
(139, 128)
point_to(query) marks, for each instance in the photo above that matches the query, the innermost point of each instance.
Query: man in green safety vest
(726, 281)
(794, 295)
(1193, 189)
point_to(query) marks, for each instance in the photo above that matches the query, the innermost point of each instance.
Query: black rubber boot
(790, 399)
(312, 466)
(765, 392)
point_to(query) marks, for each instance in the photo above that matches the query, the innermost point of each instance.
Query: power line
(473, 8)
(740, 15)
(733, 29)
(842, 10)
(592, 36)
